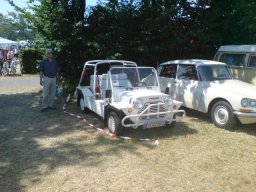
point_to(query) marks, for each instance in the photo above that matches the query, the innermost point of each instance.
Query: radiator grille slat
(153, 109)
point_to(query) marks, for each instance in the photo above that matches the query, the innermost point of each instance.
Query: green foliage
(31, 59)
(145, 31)
(15, 27)
(62, 23)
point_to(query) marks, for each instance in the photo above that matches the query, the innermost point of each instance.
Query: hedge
(31, 58)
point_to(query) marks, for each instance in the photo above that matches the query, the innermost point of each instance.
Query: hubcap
(111, 124)
(221, 115)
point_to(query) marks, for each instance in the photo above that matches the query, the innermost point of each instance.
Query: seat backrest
(104, 81)
(121, 80)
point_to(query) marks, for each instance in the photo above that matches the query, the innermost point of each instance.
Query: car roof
(193, 62)
(123, 62)
(238, 48)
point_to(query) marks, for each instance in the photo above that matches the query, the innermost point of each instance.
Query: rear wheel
(222, 115)
(114, 124)
(4, 71)
(82, 104)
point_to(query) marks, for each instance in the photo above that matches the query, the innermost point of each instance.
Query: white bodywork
(200, 94)
(132, 92)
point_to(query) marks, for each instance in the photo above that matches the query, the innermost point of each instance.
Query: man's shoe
(44, 109)
(52, 108)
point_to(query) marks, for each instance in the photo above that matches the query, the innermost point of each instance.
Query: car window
(252, 61)
(187, 72)
(168, 71)
(233, 59)
(213, 72)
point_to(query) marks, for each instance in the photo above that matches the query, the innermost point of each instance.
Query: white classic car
(207, 86)
(125, 95)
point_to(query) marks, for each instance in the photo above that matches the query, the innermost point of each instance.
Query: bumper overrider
(153, 119)
(246, 118)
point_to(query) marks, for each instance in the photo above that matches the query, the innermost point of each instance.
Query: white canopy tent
(7, 44)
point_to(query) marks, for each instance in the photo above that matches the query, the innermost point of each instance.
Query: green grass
(56, 152)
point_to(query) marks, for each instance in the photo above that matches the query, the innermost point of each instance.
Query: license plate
(154, 124)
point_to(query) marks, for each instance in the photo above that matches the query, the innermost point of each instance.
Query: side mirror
(108, 93)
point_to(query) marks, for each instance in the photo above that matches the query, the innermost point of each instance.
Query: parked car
(241, 59)
(208, 87)
(125, 95)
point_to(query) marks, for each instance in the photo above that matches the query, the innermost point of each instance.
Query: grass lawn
(53, 151)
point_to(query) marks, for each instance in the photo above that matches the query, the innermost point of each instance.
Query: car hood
(144, 94)
(234, 86)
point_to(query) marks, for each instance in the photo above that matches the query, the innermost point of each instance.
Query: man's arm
(41, 72)
(41, 78)
(57, 74)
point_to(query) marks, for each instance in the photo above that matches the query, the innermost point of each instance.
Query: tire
(4, 72)
(83, 106)
(79, 95)
(114, 124)
(222, 115)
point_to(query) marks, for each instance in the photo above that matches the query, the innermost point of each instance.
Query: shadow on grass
(197, 116)
(180, 129)
(34, 144)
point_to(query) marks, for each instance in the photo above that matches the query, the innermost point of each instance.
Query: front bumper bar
(137, 119)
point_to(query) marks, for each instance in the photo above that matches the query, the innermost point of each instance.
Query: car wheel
(4, 72)
(79, 95)
(114, 124)
(222, 115)
(82, 104)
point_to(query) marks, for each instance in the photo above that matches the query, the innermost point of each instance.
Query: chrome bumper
(138, 120)
(246, 118)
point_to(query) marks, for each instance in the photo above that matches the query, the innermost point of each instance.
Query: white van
(241, 60)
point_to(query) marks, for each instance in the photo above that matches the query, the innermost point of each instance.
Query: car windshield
(133, 77)
(213, 72)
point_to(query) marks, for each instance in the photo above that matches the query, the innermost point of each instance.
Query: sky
(5, 7)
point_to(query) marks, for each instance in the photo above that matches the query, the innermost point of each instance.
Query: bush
(30, 59)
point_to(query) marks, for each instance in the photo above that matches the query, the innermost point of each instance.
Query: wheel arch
(215, 100)
(108, 109)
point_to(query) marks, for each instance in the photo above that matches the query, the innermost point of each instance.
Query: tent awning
(6, 43)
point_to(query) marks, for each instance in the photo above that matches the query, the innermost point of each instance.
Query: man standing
(49, 69)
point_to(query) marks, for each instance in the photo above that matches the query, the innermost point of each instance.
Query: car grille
(153, 109)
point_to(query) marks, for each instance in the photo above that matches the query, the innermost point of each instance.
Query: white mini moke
(125, 95)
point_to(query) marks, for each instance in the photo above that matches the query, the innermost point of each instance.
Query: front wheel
(222, 115)
(114, 124)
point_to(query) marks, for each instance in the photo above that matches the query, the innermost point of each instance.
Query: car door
(189, 88)
(167, 79)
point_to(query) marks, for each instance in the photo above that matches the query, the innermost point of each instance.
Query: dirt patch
(55, 152)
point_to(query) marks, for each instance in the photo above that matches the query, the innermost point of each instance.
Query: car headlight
(168, 101)
(137, 104)
(246, 102)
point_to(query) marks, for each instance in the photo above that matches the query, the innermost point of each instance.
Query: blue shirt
(48, 68)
